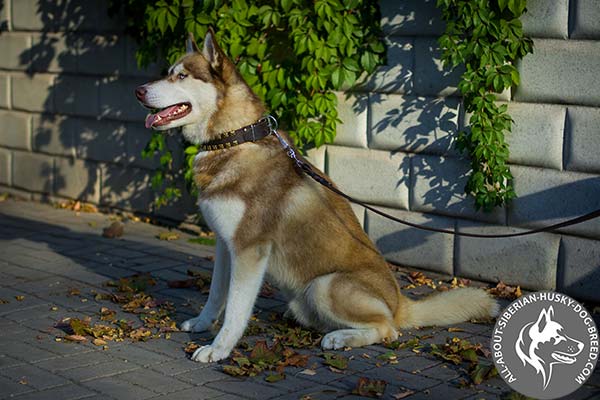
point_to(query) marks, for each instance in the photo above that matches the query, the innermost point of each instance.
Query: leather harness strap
(268, 125)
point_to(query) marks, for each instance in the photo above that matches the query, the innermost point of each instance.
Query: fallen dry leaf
(336, 361)
(20, 298)
(168, 235)
(99, 342)
(417, 278)
(402, 395)
(309, 372)
(191, 347)
(370, 387)
(115, 230)
(3, 301)
(267, 290)
(505, 291)
(76, 338)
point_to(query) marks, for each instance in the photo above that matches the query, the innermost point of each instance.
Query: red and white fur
(270, 219)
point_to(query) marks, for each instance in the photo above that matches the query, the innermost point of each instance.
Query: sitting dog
(271, 219)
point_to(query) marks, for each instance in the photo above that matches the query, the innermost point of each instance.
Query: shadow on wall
(90, 116)
(408, 115)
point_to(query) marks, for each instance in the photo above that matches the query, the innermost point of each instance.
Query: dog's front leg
(247, 273)
(219, 286)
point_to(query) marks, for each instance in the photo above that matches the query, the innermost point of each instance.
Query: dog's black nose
(140, 92)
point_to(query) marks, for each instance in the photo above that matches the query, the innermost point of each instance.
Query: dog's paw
(334, 341)
(209, 353)
(197, 324)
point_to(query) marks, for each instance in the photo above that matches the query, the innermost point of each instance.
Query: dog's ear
(211, 50)
(544, 318)
(190, 44)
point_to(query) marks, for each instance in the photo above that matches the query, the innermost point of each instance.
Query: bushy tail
(448, 308)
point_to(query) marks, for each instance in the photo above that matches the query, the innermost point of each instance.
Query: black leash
(308, 170)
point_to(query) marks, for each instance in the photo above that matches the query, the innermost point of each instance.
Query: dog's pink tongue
(150, 120)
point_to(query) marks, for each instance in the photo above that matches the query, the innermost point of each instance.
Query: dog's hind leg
(344, 302)
(219, 286)
(247, 272)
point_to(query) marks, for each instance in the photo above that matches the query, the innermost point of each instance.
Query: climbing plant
(293, 53)
(486, 38)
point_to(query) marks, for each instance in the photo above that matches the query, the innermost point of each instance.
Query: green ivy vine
(293, 53)
(486, 37)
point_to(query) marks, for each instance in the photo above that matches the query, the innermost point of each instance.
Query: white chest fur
(223, 215)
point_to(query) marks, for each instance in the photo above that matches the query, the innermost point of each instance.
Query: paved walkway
(54, 266)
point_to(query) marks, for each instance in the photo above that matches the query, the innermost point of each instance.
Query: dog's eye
(181, 76)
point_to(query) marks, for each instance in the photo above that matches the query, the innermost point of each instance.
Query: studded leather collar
(250, 133)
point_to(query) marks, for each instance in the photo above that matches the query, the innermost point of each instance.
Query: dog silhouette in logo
(543, 343)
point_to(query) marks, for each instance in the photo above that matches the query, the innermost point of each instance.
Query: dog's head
(189, 95)
(544, 343)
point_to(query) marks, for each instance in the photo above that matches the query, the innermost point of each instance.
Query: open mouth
(166, 115)
(563, 358)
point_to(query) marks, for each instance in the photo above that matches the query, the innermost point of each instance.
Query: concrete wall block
(99, 140)
(317, 157)
(31, 171)
(101, 54)
(376, 177)
(51, 134)
(431, 78)
(32, 15)
(131, 67)
(410, 246)
(14, 49)
(77, 179)
(4, 91)
(413, 124)
(86, 15)
(411, 18)
(546, 18)
(438, 187)
(16, 193)
(579, 268)
(126, 188)
(136, 138)
(537, 134)
(586, 14)
(5, 167)
(117, 99)
(397, 75)
(352, 109)
(16, 130)
(582, 145)
(561, 71)
(546, 197)
(359, 211)
(529, 261)
(77, 95)
(53, 52)
(32, 93)
(5, 24)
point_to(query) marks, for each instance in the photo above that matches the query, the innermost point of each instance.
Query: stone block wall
(70, 125)
(71, 128)
(396, 150)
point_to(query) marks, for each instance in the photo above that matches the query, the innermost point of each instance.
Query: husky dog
(271, 219)
(543, 344)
